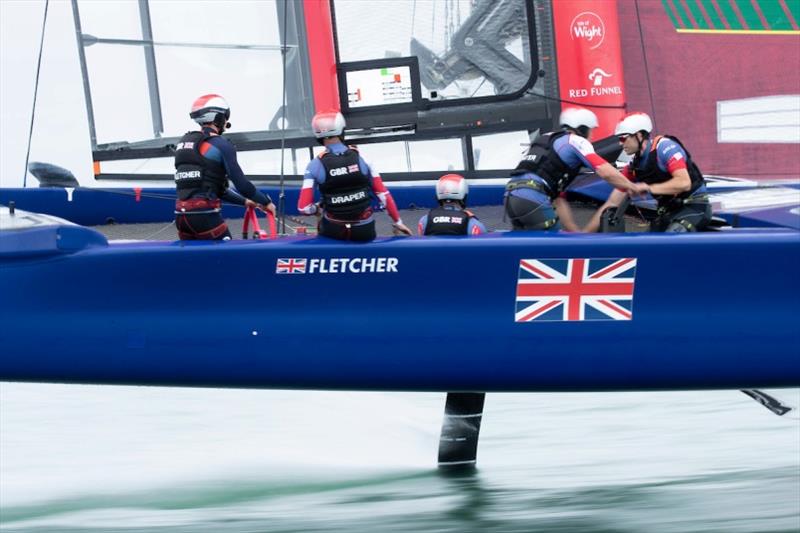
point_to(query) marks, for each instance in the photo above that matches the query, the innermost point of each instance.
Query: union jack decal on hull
(292, 265)
(575, 289)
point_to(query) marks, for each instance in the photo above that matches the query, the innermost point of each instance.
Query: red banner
(321, 56)
(589, 59)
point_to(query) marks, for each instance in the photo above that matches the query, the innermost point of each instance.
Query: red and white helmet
(634, 123)
(452, 187)
(328, 124)
(575, 117)
(207, 108)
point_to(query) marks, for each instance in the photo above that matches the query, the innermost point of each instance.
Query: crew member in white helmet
(663, 167)
(347, 186)
(535, 194)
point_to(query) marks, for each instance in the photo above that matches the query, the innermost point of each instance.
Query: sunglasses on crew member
(623, 138)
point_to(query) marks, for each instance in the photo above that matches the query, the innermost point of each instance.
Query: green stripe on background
(697, 14)
(665, 3)
(679, 10)
(730, 14)
(750, 15)
(794, 8)
(774, 14)
(712, 14)
(771, 9)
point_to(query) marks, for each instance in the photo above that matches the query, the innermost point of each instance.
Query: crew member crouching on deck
(553, 161)
(451, 217)
(204, 162)
(347, 185)
(664, 168)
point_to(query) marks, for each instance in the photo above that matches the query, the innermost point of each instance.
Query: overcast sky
(119, 93)
(60, 130)
(245, 78)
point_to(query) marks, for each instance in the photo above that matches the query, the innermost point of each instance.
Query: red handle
(250, 217)
(271, 221)
(249, 213)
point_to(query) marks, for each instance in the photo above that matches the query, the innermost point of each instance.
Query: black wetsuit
(204, 162)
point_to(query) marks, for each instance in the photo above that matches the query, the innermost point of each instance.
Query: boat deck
(491, 216)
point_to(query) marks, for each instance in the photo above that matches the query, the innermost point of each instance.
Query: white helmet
(634, 123)
(452, 187)
(328, 124)
(210, 109)
(575, 117)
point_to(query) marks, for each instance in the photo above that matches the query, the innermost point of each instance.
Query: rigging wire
(433, 19)
(478, 88)
(413, 16)
(282, 193)
(35, 92)
(448, 24)
(298, 221)
(646, 69)
(166, 227)
(581, 104)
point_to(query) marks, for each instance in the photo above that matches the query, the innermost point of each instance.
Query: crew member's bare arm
(608, 172)
(614, 199)
(678, 183)
(564, 212)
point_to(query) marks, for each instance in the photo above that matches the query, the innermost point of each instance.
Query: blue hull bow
(706, 311)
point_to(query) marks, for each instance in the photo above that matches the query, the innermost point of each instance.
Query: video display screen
(379, 86)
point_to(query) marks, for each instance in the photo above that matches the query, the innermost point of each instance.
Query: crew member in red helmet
(204, 163)
(452, 216)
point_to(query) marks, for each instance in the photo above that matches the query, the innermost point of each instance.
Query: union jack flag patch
(292, 265)
(575, 289)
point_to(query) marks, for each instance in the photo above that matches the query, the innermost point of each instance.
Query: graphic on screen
(380, 86)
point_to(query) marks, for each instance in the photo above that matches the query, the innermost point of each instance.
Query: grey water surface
(123, 459)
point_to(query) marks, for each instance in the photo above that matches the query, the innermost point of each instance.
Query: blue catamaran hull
(707, 311)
